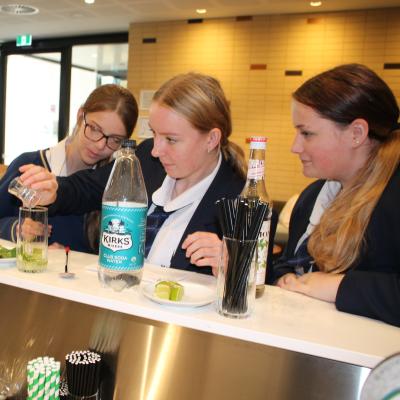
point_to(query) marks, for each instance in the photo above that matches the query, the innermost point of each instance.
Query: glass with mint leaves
(32, 233)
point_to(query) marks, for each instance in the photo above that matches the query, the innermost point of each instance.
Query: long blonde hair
(200, 99)
(342, 95)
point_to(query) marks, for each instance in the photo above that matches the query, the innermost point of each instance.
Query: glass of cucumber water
(32, 234)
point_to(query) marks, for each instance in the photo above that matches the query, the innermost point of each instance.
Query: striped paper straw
(43, 376)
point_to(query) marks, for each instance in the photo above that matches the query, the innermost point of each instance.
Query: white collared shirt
(184, 206)
(56, 157)
(325, 197)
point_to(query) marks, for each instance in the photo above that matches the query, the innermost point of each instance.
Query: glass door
(32, 103)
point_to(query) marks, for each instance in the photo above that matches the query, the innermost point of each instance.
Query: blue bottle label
(123, 232)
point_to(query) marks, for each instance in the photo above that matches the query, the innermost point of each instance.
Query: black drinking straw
(241, 219)
(83, 372)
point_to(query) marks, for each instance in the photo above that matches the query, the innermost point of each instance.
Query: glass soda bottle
(123, 222)
(254, 189)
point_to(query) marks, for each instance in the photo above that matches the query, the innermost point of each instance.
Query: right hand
(40, 179)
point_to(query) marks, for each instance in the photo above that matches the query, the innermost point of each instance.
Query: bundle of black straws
(241, 220)
(83, 372)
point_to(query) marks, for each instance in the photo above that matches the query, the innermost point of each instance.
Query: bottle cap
(262, 139)
(128, 143)
(258, 142)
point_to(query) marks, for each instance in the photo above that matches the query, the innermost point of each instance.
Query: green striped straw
(33, 377)
(41, 383)
(54, 381)
(43, 378)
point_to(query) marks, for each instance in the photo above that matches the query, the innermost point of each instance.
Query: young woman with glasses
(107, 117)
(188, 165)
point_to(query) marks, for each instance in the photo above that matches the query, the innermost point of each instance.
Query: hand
(41, 179)
(204, 249)
(56, 246)
(321, 285)
(30, 229)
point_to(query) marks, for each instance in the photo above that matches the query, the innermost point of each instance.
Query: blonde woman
(107, 117)
(189, 165)
(344, 237)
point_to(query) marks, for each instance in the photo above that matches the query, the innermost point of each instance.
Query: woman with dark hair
(344, 235)
(110, 112)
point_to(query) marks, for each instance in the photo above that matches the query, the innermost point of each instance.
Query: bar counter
(284, 324)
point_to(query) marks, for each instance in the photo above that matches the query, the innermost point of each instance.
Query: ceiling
(73, 17)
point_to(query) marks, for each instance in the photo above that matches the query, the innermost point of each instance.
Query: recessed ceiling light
(315, 3)
(19, 9)
(201, 11)
(89, 1)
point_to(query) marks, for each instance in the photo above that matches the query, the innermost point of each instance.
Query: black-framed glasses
(95, 134)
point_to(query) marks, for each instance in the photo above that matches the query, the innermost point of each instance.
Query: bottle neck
(256, 166)
(125, 152)
(255, 183)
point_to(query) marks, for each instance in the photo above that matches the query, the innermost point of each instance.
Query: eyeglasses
(95, 134)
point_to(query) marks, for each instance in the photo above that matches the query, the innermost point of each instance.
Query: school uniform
(83, 191)
(65, 230)
(371, 287)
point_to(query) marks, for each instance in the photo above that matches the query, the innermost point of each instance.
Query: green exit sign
(24, 40)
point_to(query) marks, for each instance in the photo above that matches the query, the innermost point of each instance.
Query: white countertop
(281, 319)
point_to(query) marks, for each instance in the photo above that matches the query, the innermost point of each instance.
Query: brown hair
(342, 95)
(201, 100)
(115, 98)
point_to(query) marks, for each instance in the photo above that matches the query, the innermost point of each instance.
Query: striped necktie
(155, 221)
(301, 261)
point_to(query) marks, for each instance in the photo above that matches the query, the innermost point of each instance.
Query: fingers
(197, 240)
(203, 249)
(56, 245)
(30, 229)
(41, 179)
(205, 253)
(37, 177)
(287, 281)
(209, 262)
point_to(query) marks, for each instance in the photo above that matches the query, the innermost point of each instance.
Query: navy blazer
(66, 231)
(372, 285)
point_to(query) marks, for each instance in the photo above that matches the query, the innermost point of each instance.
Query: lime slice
(169, 290)
(176, 293)
(162, 290)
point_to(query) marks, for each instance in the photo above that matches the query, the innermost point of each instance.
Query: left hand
(321, 285)
(30, 229)
(204, 250)
(56, 246)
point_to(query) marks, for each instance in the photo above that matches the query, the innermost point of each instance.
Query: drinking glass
(32, 232)
(236, 286)
(29, 197)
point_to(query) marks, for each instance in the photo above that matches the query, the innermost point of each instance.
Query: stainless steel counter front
(149, 360)
(292, 347)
